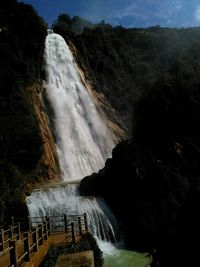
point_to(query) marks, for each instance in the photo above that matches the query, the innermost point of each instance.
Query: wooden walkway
(19, 247)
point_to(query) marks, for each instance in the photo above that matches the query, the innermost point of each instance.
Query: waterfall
(83, 142)
(66, 200)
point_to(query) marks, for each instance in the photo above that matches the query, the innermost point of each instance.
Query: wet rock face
(48, 166)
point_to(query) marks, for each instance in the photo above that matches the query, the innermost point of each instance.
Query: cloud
(149, 8)
(132, 10)
(149, 12)
(129, 10)
(197, 14)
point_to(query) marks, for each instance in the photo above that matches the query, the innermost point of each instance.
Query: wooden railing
(30, 242)
(73, 225)
(35, 232)
(6, 235)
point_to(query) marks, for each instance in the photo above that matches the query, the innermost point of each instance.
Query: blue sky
(128, 13)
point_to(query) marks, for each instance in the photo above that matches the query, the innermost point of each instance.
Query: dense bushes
(67, 26)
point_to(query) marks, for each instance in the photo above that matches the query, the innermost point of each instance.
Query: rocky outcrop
(145, 196)
(48, 166)
(152, 182)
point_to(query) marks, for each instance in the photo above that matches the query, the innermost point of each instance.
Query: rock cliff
(48, 165)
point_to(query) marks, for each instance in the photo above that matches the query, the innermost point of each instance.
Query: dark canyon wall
(24, 137)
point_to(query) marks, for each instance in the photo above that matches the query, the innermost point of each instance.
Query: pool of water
(114, 257)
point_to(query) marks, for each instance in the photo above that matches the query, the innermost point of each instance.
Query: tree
(64, 18)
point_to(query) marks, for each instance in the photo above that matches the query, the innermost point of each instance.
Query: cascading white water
(66, 200)
(83, 142)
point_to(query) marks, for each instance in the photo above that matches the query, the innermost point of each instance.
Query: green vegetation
(22, 34)
(65, 25)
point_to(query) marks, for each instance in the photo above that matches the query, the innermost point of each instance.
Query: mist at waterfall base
(83, 142)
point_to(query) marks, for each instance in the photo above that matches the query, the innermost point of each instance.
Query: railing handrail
(49, 216)
(35, 236)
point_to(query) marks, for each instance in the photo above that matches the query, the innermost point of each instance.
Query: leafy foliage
(65, 25)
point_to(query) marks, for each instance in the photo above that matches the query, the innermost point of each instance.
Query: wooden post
(13, 252)
(79, 225)
(49, 225)
(65, 221)
(12, 221)
(45, 230)
(11, 232)
(27, 246)
(29, 224)
(35, 239)
(85, 220)
(73, 233)
(19, 231)
(2, 240)
(40, 232)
